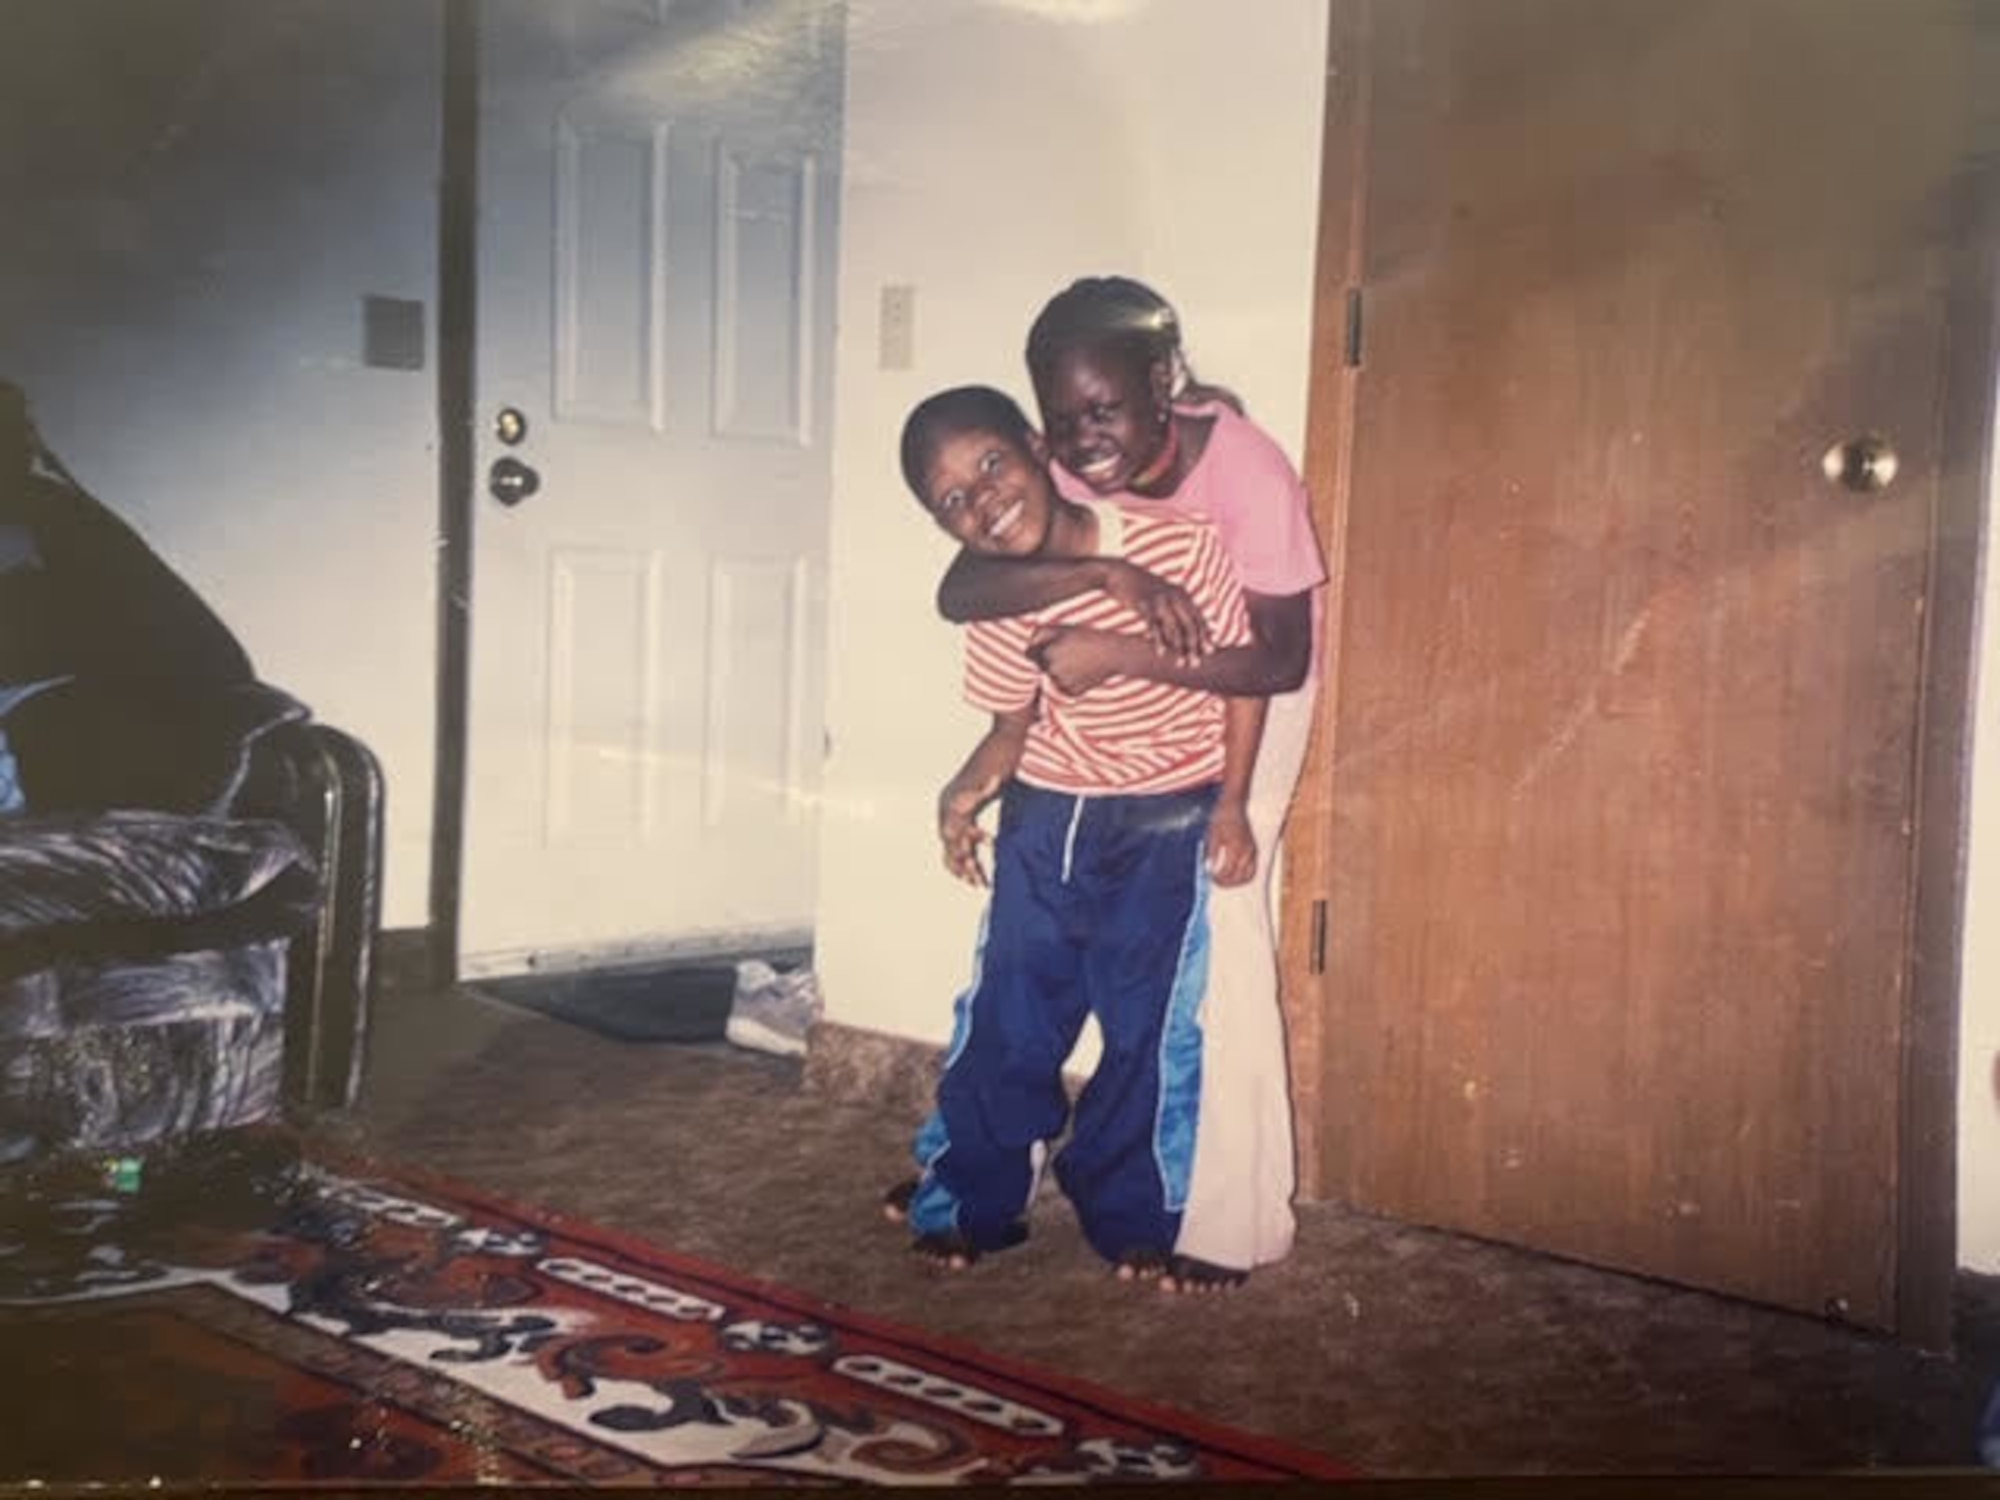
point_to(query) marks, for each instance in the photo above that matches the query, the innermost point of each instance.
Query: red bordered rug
(392, 1326)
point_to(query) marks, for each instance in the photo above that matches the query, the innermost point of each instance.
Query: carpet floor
(252, 1315)
(1400, 1351)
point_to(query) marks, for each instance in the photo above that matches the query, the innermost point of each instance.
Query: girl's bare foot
(1183, 1273)
(896, 1202)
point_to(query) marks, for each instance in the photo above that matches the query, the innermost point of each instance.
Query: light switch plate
(392, 333)
(899, 327)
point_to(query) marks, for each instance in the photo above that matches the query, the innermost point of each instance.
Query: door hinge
(1354, 328)
(1318, 960)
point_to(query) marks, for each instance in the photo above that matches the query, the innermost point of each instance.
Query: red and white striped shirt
(1128, 735)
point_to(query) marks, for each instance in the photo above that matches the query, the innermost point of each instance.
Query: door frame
(1926, 1210)
(457, 378)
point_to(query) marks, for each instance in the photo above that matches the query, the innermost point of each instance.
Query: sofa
(168, 974)
(189, 862)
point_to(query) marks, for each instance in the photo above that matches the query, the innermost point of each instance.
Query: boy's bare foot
(1183, 1273)
(948, 1248)
(953, 1249)
(1142, 1264)
(896, 1202)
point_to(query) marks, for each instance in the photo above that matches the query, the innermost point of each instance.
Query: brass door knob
(1862, 464)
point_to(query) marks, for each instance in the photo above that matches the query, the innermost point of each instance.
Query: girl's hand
(1173, 620)
(1232, 847)
(1073, 657)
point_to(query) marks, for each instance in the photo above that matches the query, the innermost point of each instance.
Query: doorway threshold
(685, 999)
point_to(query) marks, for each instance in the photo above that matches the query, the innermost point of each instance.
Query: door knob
(510, 481)
(1862, 464)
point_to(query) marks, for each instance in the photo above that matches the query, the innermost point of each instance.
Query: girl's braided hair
(1121, 317)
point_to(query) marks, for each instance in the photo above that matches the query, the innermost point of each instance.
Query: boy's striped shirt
(1127, 736)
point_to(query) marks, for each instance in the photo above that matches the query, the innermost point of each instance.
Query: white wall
(995, 151)
(1979, 984)
(199, 196)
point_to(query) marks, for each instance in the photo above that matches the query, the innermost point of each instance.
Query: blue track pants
(1098, 908)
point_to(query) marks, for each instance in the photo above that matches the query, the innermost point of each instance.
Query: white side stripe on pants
(1069, 841)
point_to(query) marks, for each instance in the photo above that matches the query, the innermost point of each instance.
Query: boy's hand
(1174, 621)
(1073, 657)
(1232, 847)
(960, 833)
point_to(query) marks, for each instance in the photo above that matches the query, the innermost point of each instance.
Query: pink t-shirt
(1248, 490)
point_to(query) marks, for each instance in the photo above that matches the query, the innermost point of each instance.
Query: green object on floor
(122, 1174)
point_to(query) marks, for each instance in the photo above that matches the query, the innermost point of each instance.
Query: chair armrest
(327, 787)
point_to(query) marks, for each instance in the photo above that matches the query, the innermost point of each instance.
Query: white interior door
(658, 191)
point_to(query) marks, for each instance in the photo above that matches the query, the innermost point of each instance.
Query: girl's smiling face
(1101, 415)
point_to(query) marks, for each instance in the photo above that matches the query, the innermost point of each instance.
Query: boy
(1098, 902)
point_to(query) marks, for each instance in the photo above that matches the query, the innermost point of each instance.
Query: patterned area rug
(361, 1326)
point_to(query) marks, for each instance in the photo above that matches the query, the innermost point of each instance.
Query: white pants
(1239, 1207)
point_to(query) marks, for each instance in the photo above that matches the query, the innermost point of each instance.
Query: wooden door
(656, 278)
(1616, 824)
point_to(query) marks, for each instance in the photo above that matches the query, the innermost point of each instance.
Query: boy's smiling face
(990, 491)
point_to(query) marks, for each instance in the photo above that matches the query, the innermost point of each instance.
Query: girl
(1125, 420)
